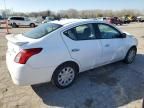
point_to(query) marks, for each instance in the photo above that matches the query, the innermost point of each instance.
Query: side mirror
(123, 35)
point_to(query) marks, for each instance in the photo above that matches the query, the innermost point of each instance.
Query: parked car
(140, 19)
(126, 19)
(103, 19)
(17, 21)
(48, 19)
(134, 19)
(2, 20)
(57, 51)
(116, 20)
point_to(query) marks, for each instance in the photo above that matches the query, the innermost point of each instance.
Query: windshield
(42, 30)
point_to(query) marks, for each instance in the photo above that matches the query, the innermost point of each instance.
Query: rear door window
(82, 32)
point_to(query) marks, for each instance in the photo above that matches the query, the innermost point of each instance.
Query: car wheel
(32, 25)
(130, 55)
(64, 75)
(14, 25)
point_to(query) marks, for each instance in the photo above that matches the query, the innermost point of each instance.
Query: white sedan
(57, 51)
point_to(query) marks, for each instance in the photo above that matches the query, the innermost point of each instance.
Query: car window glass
(71, 34)
(42, 30)
(108, 32)
(12, 18)
(17, 18)
(82, 32)
(21, 18)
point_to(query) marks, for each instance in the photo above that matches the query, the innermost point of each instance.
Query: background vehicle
(134, 18)
(2, 20)
(105, 19)
(126, 19)
(116, 20)
(47, 19)
(59, 50)
(140, 19)
(17, 21)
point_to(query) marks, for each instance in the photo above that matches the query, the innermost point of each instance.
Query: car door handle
(107, 45)
(75, 50)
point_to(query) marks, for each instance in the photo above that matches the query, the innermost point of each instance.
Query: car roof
(67, 22)
(72, 21)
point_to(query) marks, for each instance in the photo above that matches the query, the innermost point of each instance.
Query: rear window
(42, 30)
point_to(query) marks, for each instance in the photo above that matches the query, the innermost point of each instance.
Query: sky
(56, 5)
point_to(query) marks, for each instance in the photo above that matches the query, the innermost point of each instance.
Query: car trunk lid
(18, 40)
(15, 42)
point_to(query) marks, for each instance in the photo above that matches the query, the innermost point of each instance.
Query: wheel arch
(54, 75)
(12, 23)
(133, 46)
(125, 59)
(69, 62)
(32, 23)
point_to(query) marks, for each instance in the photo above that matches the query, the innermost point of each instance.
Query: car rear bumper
(24, 74)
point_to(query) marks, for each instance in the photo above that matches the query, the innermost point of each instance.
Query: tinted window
(82, 32)
(108, 32)
(42, 30)
(12, 18)
(17, 18)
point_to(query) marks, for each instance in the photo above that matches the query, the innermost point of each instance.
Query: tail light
(25, 54)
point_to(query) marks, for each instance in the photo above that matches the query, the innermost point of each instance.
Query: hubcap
(32, 25)
(66, 76)
(131, 56)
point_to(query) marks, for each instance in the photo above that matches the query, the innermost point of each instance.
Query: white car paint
(58, 48)
(25, 22)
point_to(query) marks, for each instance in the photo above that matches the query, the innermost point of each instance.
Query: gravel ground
(111, 86)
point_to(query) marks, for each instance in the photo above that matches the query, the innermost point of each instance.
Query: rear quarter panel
(53, 54)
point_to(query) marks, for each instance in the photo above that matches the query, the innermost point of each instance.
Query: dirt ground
(112, 86)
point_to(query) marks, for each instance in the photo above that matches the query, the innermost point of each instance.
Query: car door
(113, 45)
(17, 20)
(21, 21)
(83, 45)
(27, 21)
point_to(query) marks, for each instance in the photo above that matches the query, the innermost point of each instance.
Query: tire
(32, 25)
(130, 56)
(14, 25)
(65, 75)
